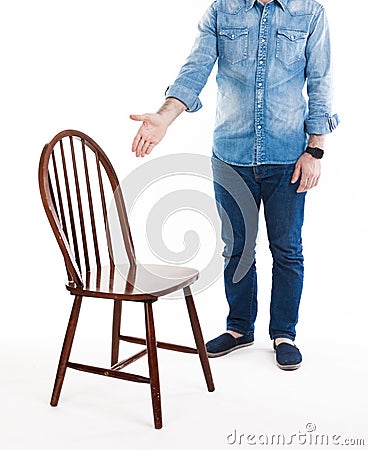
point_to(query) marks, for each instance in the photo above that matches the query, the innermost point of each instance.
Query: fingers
(145, 148)
(307, 183)
(136, 142)
(149, 150)
(296, 174)
(141, 147)
(303, 185)
(138, 117)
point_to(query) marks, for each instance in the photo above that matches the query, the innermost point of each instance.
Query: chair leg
(116, 332)
(198, 337)
(153, 365)
(65, 353)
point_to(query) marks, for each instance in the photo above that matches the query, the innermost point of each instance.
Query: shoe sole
(288, 367)
(225, 352)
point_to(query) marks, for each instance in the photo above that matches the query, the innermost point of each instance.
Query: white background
(87, 65)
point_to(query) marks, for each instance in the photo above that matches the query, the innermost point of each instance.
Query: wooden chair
(73, 175)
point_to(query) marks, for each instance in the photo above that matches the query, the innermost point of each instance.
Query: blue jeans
(239, 191)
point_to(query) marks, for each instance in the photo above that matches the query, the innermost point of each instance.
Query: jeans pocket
(233, 44)
(290, 45)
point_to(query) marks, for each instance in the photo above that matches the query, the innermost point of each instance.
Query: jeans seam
(278, 336)
(246, 333)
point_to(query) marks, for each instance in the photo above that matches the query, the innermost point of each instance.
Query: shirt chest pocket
(233, 44)
(290, 45)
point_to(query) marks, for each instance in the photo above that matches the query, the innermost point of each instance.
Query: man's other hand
(309, 169)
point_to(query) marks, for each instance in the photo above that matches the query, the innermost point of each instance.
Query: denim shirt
(265, 56)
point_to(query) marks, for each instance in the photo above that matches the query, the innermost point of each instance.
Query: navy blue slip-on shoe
(226, 343)
(288, 356)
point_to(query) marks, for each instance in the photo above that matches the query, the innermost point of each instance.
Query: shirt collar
(250, 3)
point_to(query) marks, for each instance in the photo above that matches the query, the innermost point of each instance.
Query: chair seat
(142, 282)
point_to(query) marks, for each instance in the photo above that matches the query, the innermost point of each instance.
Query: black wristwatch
(315, 152)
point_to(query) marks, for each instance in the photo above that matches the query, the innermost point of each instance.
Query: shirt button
(233, 36)
(260, 84)
(263, 40)
(260, 62)
(259, 105)
(259, 127)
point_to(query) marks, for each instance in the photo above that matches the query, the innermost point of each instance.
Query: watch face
(315, 151)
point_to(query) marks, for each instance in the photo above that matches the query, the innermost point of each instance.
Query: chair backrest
(74, 174)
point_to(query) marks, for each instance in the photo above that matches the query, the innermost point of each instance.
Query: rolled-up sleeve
(320, 119)
(198, 66)
(186, 95)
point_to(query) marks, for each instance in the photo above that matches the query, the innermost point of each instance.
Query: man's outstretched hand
(309, 168)
(154, 126)
(150, 133)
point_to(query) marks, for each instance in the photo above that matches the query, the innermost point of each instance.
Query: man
(268, 135)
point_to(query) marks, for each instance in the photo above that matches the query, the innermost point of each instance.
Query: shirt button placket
(260, 82)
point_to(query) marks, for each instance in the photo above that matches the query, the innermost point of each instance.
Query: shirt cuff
(322, 124)
(186, 95)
